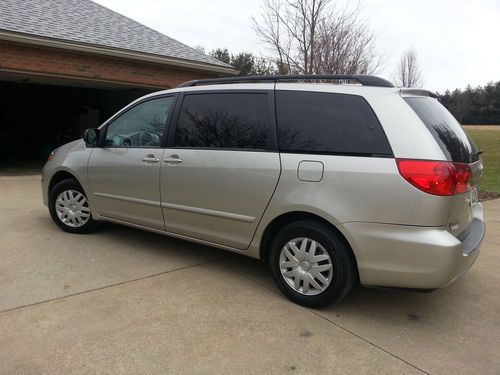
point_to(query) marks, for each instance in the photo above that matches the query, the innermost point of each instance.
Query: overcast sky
(457, 41)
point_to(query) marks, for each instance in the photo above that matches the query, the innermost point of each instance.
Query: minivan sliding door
(221, 165)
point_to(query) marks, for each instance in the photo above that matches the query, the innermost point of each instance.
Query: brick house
(66, 65)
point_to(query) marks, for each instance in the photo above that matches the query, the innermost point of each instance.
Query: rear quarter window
(328, 123)
(451, 137)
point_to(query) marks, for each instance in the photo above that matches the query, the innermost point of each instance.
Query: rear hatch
(458, 147)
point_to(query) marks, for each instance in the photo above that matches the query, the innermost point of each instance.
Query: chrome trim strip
(204, 211)
(128, 199)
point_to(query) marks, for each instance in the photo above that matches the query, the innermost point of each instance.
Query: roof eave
(113, 52)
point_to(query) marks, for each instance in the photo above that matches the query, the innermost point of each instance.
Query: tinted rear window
(455, 143)
(224, 120)
(312, 122)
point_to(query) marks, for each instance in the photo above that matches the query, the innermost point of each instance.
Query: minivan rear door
(457, 147)
(221, 165)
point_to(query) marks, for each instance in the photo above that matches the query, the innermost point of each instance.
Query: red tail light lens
(436, 177)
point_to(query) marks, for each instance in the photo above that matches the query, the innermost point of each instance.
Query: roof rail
(365, 80)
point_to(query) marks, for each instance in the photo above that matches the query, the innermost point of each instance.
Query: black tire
(343, 264)
(69, 184)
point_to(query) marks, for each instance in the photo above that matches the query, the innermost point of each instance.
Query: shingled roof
(84, 22)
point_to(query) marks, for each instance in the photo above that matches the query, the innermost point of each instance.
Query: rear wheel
(69, 207)
(311, 264)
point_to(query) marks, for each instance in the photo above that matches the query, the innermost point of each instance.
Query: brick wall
(32, 59)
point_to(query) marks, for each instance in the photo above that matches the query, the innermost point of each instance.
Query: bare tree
(408, 72)
(346, 45)
(314, 36)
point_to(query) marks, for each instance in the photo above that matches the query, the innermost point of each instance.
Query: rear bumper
(413, 257)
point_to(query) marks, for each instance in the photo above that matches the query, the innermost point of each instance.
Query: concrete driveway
(127, 301)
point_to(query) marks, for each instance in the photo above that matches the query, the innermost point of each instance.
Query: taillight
(436, 177)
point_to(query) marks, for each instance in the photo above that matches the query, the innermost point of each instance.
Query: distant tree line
(474, 105)
(245, 62)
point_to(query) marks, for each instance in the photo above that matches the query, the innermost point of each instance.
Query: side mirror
(91, 137)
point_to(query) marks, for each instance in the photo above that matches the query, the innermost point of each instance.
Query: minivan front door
(221, 167)
(124, 174)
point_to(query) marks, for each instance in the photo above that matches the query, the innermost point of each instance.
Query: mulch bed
(486, 195)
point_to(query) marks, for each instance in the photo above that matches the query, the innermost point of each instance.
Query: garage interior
(40, 113)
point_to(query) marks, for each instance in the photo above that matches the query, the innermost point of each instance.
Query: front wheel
(311, 264)
(69, 207)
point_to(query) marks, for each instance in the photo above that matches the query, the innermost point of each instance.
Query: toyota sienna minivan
(331, 180)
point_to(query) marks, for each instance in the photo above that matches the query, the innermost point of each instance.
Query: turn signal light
(51, 155)
(436, 177)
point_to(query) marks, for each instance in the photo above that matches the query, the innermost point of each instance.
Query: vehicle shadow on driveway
(381, 305)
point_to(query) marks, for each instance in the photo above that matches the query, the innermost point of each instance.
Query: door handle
(150, 159)
(173, 159)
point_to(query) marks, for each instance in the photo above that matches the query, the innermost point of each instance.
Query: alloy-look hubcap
(306, 266)
(72, 208)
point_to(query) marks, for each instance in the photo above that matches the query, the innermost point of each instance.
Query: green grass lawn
(489, 141)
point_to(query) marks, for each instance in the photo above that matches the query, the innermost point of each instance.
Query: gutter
(113, 52)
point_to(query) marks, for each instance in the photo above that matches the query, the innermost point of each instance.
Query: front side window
(141, 126)
(224, 120)
(314, 122)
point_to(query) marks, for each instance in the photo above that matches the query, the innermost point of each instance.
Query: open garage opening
(37, 116)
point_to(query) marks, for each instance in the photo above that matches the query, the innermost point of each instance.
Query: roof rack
(365, 80)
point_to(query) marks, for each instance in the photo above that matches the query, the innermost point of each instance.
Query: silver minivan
(330, 184)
